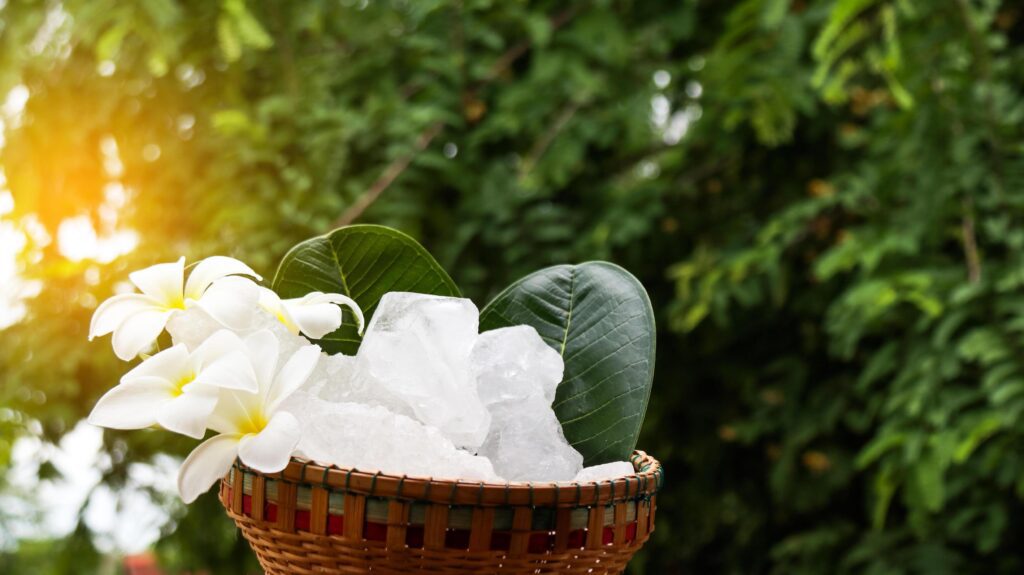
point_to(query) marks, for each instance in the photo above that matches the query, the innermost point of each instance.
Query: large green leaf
(598, 316)
(363, 262)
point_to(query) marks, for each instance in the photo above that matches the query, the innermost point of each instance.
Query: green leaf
(984, 429)
(363, 262)
(885, 488)
(230, 44)
(598, 316)
(249, 29)
(842, 14)
(773, 12)
(878, 447)
(930, 482)
(237, 28)
(110, 42)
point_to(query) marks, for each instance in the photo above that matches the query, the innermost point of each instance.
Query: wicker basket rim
(644, 484)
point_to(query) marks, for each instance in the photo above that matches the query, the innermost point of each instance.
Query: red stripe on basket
(500, 540)
(457, 539)
(302, 520)
(631, 531)
(335, 524)
(414, 536)
(375, 531)
(539, 542)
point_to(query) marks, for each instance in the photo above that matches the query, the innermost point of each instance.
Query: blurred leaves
(238, 29)
(896, 293)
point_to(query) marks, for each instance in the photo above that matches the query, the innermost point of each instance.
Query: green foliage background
(834, 247)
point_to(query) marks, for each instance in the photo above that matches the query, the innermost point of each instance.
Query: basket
(312, 519)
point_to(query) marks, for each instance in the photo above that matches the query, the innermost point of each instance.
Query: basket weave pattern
(311, 519)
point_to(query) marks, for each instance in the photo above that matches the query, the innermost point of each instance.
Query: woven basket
(311, 519)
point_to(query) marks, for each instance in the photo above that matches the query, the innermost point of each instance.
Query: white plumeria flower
(315, 315)
(249, 425)
(137, 319)
(176, 389)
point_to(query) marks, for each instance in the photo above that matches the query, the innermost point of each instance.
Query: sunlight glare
(126, 521)
(12, 288)
(16, 100)
(111, 157)
(6, 201)
(77, 240)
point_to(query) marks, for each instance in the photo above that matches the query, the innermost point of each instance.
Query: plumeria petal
(188, 413)
(270, 302)
(316, 314)
(231, 301)
(231, 371)
(269, 298)
(314, 321)
(293, 374)
(162, 282)
(235, 412)
(170, 364)
(263, 350)
(212, 269)
(133, 405)
(269, 450)
(205, 465)
(318, 299)
(111, 313)
(138, 332)
(220, 343)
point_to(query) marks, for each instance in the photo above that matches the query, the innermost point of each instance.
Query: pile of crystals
(427, 394)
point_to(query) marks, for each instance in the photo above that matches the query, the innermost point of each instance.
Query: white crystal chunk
(416, 354)
(371, 438)
(526, 443)
(514, 364)
(605, 471)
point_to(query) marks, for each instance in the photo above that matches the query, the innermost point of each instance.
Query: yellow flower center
(179, 385)
(278, 313)
(283, 318)
(171, 301)
(254, 423)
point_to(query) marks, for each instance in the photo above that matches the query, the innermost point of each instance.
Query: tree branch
(517, 51)
(390, 174)
(983, 60)
(970, 242)
(544, 142)
(400, 164)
